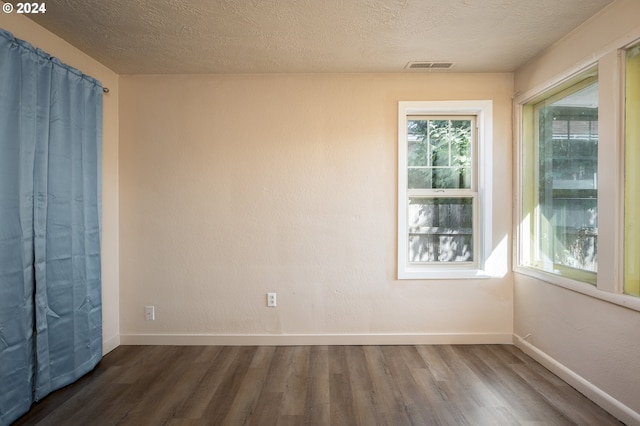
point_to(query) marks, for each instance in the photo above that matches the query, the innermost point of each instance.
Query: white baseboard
(588, 389)
(110, 344)
(314, 339)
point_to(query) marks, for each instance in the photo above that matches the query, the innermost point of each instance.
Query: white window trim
(483, 111)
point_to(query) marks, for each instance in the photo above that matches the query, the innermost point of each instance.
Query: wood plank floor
(318, 385)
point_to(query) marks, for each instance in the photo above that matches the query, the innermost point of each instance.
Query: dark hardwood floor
(318, 385)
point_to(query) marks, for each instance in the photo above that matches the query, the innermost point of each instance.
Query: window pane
(439, 153)
(632, 175)
(567, 167)
(440, 229)
(419, 178)
(417, 142)
(439, 142)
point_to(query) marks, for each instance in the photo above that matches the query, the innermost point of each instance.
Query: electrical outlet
(271, 300)
(150, 313)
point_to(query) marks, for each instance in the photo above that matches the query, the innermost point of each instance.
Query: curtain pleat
(51, 209)
(17, 146)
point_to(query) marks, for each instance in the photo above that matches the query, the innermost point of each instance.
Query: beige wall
(590, 342)
(26, 29)
(235, 186)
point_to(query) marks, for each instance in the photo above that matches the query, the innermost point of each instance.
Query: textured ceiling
(264, 36)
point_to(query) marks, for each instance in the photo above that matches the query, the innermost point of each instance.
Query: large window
(559, 192)
(632, 174)
(441, 189)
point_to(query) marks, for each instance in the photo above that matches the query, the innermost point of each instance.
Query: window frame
(482, 111)
(611, 164)
(631, 245)
(529, 247)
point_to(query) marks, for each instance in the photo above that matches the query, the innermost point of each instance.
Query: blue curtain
(50, 225)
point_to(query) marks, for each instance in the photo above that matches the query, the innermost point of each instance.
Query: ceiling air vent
(429, 65)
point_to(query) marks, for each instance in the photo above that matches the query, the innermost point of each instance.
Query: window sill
(442, 274)
(624, 300)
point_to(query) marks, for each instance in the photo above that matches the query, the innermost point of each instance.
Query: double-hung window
(443, 193)
(559, 180)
